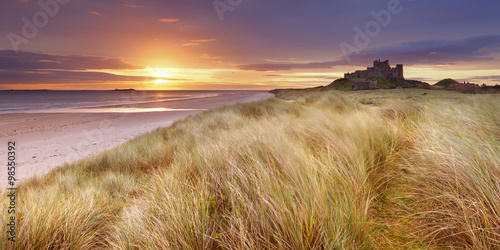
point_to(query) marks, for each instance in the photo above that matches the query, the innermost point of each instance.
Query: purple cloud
(10, 60)
(284, 66)
(478, 48)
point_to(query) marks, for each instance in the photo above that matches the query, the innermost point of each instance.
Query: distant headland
(124, 90)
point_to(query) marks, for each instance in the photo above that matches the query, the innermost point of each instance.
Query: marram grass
(321, 172)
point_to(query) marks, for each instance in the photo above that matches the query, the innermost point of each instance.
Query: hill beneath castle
(374, 82)
(381, 82)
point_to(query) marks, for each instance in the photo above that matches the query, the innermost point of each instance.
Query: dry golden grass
(322, 172)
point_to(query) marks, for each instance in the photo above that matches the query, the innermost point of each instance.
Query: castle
(379, 69)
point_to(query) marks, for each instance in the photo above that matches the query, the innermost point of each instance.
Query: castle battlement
(380, 68)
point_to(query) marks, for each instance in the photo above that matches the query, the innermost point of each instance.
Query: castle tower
(399, 70)
(377, 64)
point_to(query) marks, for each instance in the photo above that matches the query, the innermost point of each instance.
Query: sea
(89, 101)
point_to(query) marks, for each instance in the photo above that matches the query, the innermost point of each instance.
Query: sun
(159, 75)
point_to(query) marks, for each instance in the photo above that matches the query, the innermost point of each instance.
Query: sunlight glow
(161, 75)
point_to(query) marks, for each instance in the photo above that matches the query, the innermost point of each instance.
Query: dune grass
(321, 172)
(456, 171)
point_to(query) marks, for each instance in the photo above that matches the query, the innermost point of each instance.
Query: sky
(241, 44)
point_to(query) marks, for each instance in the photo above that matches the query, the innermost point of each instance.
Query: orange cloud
(207, 56)
(190, 44)
(131, 5)
(204, 40)
(96, 13)
(198, 41)
(168, 20)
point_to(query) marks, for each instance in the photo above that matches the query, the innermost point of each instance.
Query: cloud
(301, 76)
(95, 13)
(10, 60)
(478, 48)
(190, 44)
(289, 66)
(56, 77)
(168, 20)
(197, 42)
(207, 56)
(63, 77)
(204, 40)
(442, 52)
(487, 78)
(35, 68)
(131, 5)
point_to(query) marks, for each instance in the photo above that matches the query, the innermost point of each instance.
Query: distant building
(462, 85)
(379, 69)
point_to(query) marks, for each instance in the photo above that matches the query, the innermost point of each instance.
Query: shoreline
(48, 140)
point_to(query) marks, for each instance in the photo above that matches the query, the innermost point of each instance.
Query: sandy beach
(45, 140)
